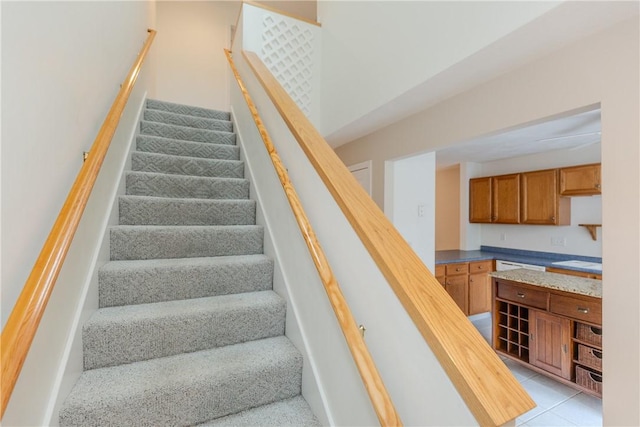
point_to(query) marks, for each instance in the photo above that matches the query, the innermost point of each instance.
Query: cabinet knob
(597, 186)
(553, 218)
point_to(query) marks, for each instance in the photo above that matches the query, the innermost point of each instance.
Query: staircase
(189, 331)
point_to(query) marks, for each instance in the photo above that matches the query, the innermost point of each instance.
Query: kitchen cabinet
(480, 286)
(554, 332)
(480, 200)
(540, 202)
(550, 341)
(457, 284)
(468, 284)
(583, 180)
(495, 199)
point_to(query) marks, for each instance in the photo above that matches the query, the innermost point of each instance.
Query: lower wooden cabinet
(550, 343)
(468, 284)
(554, 332)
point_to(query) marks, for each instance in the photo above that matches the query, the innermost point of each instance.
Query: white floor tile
(519, 371)
(549, 419)
(582, 410)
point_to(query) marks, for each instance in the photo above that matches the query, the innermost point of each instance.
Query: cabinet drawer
(458, 268)
(480, 267)
(587, 310)
(524, 296)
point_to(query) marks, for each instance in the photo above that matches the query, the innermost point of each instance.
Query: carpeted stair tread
(176, 147)
(155, 241)
(126, 334)
(187, 133)
(187, 120)
(155, 280)
(293, 412)
(186, 389)
(167, 185)
(154, 104)
(145, 210)
(181, 165)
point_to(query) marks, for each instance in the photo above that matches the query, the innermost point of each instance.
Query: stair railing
(25, 317)
(373, 383)
(490, 391)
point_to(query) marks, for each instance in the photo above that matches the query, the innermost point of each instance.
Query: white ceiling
(573, 132)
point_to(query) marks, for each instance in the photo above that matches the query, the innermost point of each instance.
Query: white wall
(538, 238)
(413, 203)
(192, 67)
(396, 46)
(600, 69)
(62, 65)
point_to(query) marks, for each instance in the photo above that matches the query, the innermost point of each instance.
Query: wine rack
(513, 330)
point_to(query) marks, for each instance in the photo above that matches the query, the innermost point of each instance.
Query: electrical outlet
(420, 210)
(503, 237)
(558, 241)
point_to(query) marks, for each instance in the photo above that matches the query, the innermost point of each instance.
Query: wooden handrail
(491, 392)
(378, 394)
(23, 322)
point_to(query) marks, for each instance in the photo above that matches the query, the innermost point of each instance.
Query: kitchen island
(552, 323)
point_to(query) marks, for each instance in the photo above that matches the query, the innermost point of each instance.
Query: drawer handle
(520, 295)
(583, 310)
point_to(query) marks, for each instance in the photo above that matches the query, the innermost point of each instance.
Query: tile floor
(558, 404)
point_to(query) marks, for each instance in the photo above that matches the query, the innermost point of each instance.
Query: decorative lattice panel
(287, 51)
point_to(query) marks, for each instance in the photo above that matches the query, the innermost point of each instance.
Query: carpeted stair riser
(176, 147)
(163, 185)
(186, 120)
(191, 166)
(189, 330)
(186, 133)
(148, 281)
(130, 242)
(186, 389)
(293, 412)
(143, 210)
(153, 104)
(119, 335)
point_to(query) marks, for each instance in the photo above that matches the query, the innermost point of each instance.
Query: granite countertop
(561, 282)
(545, 259)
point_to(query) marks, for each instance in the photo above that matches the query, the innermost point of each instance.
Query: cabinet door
(540, 202)
(550, 343)
(505, 199)
(457, 288)
(480, 286)
(480, 200)
(581, 180)
(479, 293)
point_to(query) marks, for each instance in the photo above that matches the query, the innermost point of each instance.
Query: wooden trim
(487, 386)
(378, 394)
(23, 322)
(281, 12)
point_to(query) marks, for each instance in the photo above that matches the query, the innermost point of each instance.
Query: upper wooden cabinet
(540, 202)
(581, 180)
(495, 199)
(506, 199)
(480, 199)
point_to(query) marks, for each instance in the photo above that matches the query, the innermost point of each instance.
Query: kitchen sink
(580, 264)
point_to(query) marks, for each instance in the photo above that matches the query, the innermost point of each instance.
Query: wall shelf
(593, 229)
